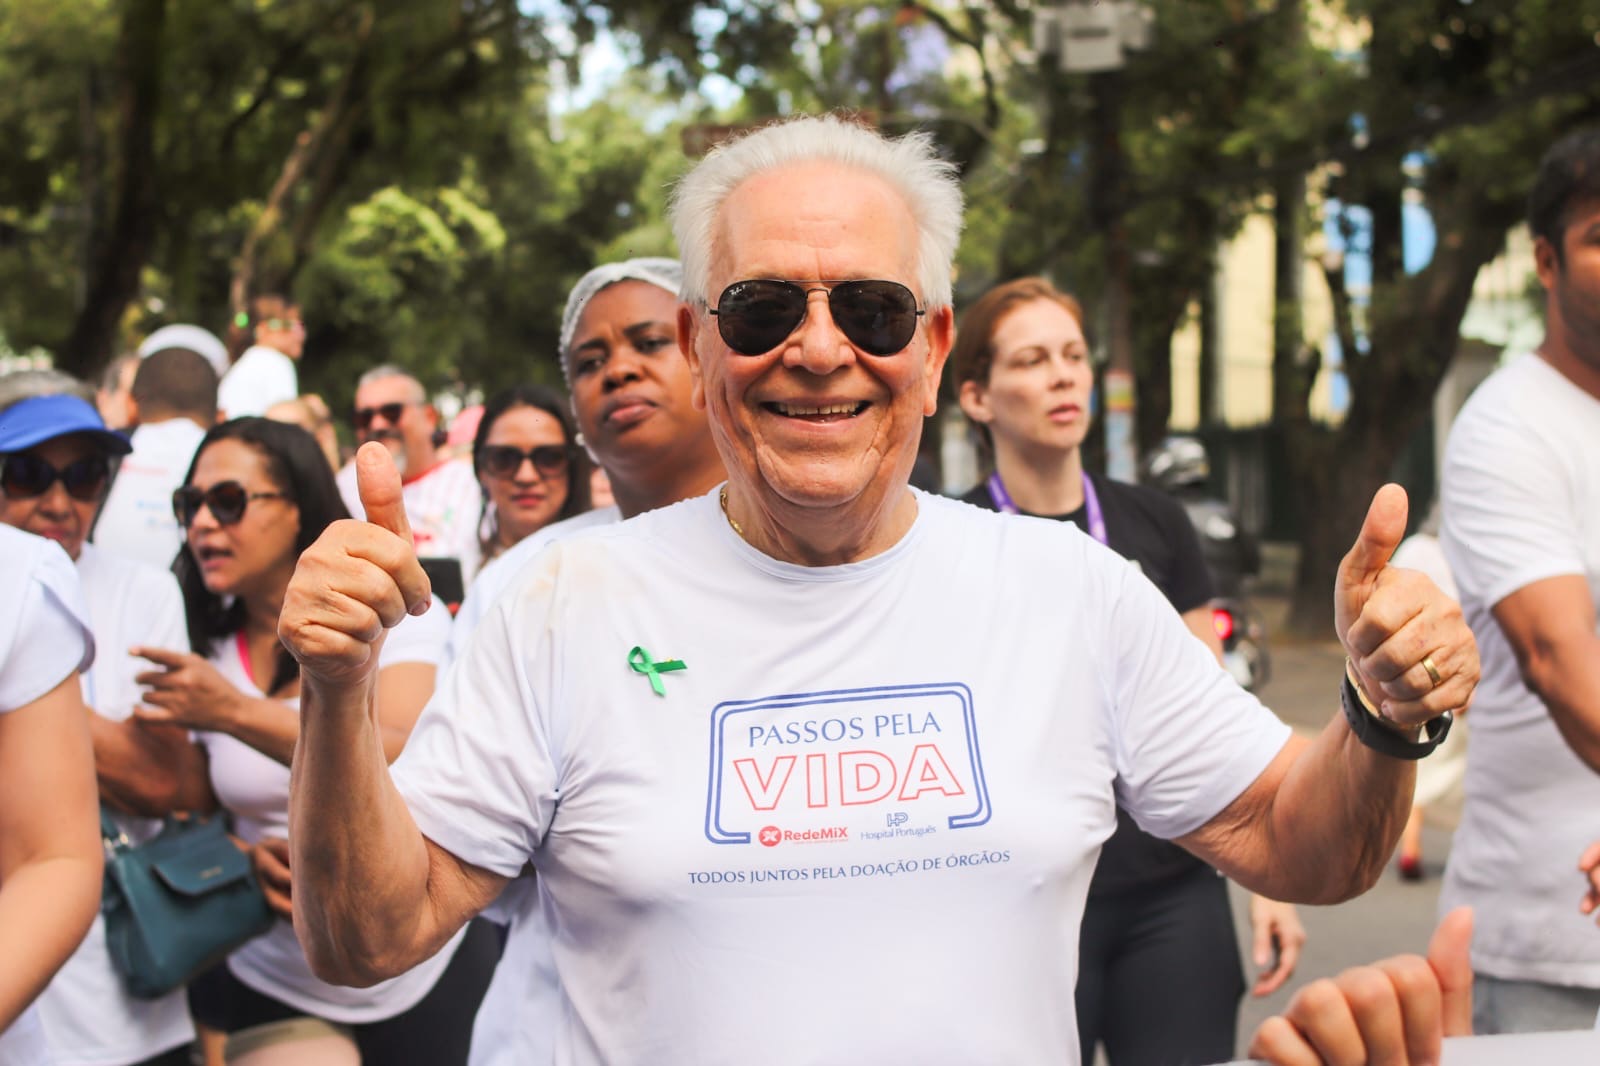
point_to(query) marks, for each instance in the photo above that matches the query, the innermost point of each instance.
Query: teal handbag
(177, 904)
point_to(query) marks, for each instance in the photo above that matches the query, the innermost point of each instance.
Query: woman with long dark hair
(529, 465)
(257, 494)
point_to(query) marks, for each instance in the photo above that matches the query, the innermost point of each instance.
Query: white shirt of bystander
(1522, 503)
(136, 520)
(44, 636)
(261, 377)
(89, 1017)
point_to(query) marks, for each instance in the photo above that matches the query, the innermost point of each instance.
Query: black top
(1152, 529)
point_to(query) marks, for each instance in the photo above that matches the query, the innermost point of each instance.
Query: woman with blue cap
(58, 459)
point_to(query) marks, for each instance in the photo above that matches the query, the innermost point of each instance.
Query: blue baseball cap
(41, 418)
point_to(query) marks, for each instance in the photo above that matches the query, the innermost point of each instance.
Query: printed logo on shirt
(845, 766)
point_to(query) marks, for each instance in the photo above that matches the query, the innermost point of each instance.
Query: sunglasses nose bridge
(817, 343)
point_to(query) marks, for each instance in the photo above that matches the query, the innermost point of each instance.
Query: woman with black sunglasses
(256, 495)
(530, 468)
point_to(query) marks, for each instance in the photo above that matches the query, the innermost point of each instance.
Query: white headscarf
(663, 273)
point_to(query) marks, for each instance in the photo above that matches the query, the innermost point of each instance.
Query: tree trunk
(1415, 329)
(113, 272)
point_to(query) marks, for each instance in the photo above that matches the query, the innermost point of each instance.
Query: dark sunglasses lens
(498, 460)
(185, 504)
(391, 413)
(226, 502)
(549, 459)
(755, 316)
(879, 317)
(25, 477)
(84, 479)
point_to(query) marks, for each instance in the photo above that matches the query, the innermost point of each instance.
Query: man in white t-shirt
(174, 403)
(265, 373)
(816, 767)
(1521, 492)
(442, 497)
(89, 1017)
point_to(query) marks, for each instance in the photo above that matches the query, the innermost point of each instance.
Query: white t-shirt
(501, 572)
(136, 519)
(850, 828)
(89, 1017)
(443, 505)
(44, 636)
(261, 377)
(1522, 503)
(255, 789)
(516, 1021)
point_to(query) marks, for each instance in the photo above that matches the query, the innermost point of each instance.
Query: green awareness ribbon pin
(641, 662)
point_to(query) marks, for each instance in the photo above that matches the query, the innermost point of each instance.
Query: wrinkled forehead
(814, 220)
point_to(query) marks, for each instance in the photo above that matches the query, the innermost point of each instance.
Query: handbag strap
(111, 833)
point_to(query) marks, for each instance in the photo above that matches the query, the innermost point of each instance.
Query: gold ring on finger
(1433, 671)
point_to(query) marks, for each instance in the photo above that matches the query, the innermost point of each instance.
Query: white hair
(389, 370)
(928, 185)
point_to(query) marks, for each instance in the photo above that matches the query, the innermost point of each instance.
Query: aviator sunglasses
(502, 460)
(391, 413)
(23, 477)
(226, 500)
(879, 317)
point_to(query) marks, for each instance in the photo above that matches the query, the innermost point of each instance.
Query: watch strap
(1370, 730)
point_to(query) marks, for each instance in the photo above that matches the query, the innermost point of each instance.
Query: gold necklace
(722, 498)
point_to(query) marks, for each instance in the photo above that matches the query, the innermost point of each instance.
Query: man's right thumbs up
(359, 579)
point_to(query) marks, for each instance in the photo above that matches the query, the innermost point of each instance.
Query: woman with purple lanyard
(1157, 929)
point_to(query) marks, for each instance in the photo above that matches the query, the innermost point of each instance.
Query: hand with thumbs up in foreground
(1396, 1011)
(1321, 821)
(357, 581)
(372, 897)
(1395, 623)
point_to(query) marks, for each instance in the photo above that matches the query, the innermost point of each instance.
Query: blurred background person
(310, 412)
(532, 471)
(112, 398)
(1158, 927)
(463, 430)
(442, 497)
(49, 835)
(197, 339)
(257, 494)
(264, 374)
(1520, 496)
(174, 402)
(1440, 775)
(58, 456)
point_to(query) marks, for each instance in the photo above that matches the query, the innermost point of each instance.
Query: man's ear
(688, 334)
(1546, 262)
(133, 410)
(941, 324)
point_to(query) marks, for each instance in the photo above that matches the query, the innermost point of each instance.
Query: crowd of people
(768, 756)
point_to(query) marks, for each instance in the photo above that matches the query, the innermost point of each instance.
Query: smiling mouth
(831, 412)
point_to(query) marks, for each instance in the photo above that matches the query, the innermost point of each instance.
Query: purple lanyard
(1091, 502)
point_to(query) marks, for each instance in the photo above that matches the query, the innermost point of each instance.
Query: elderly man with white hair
(816, 767)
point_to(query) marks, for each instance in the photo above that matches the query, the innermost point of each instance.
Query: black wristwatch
(1370, 730)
